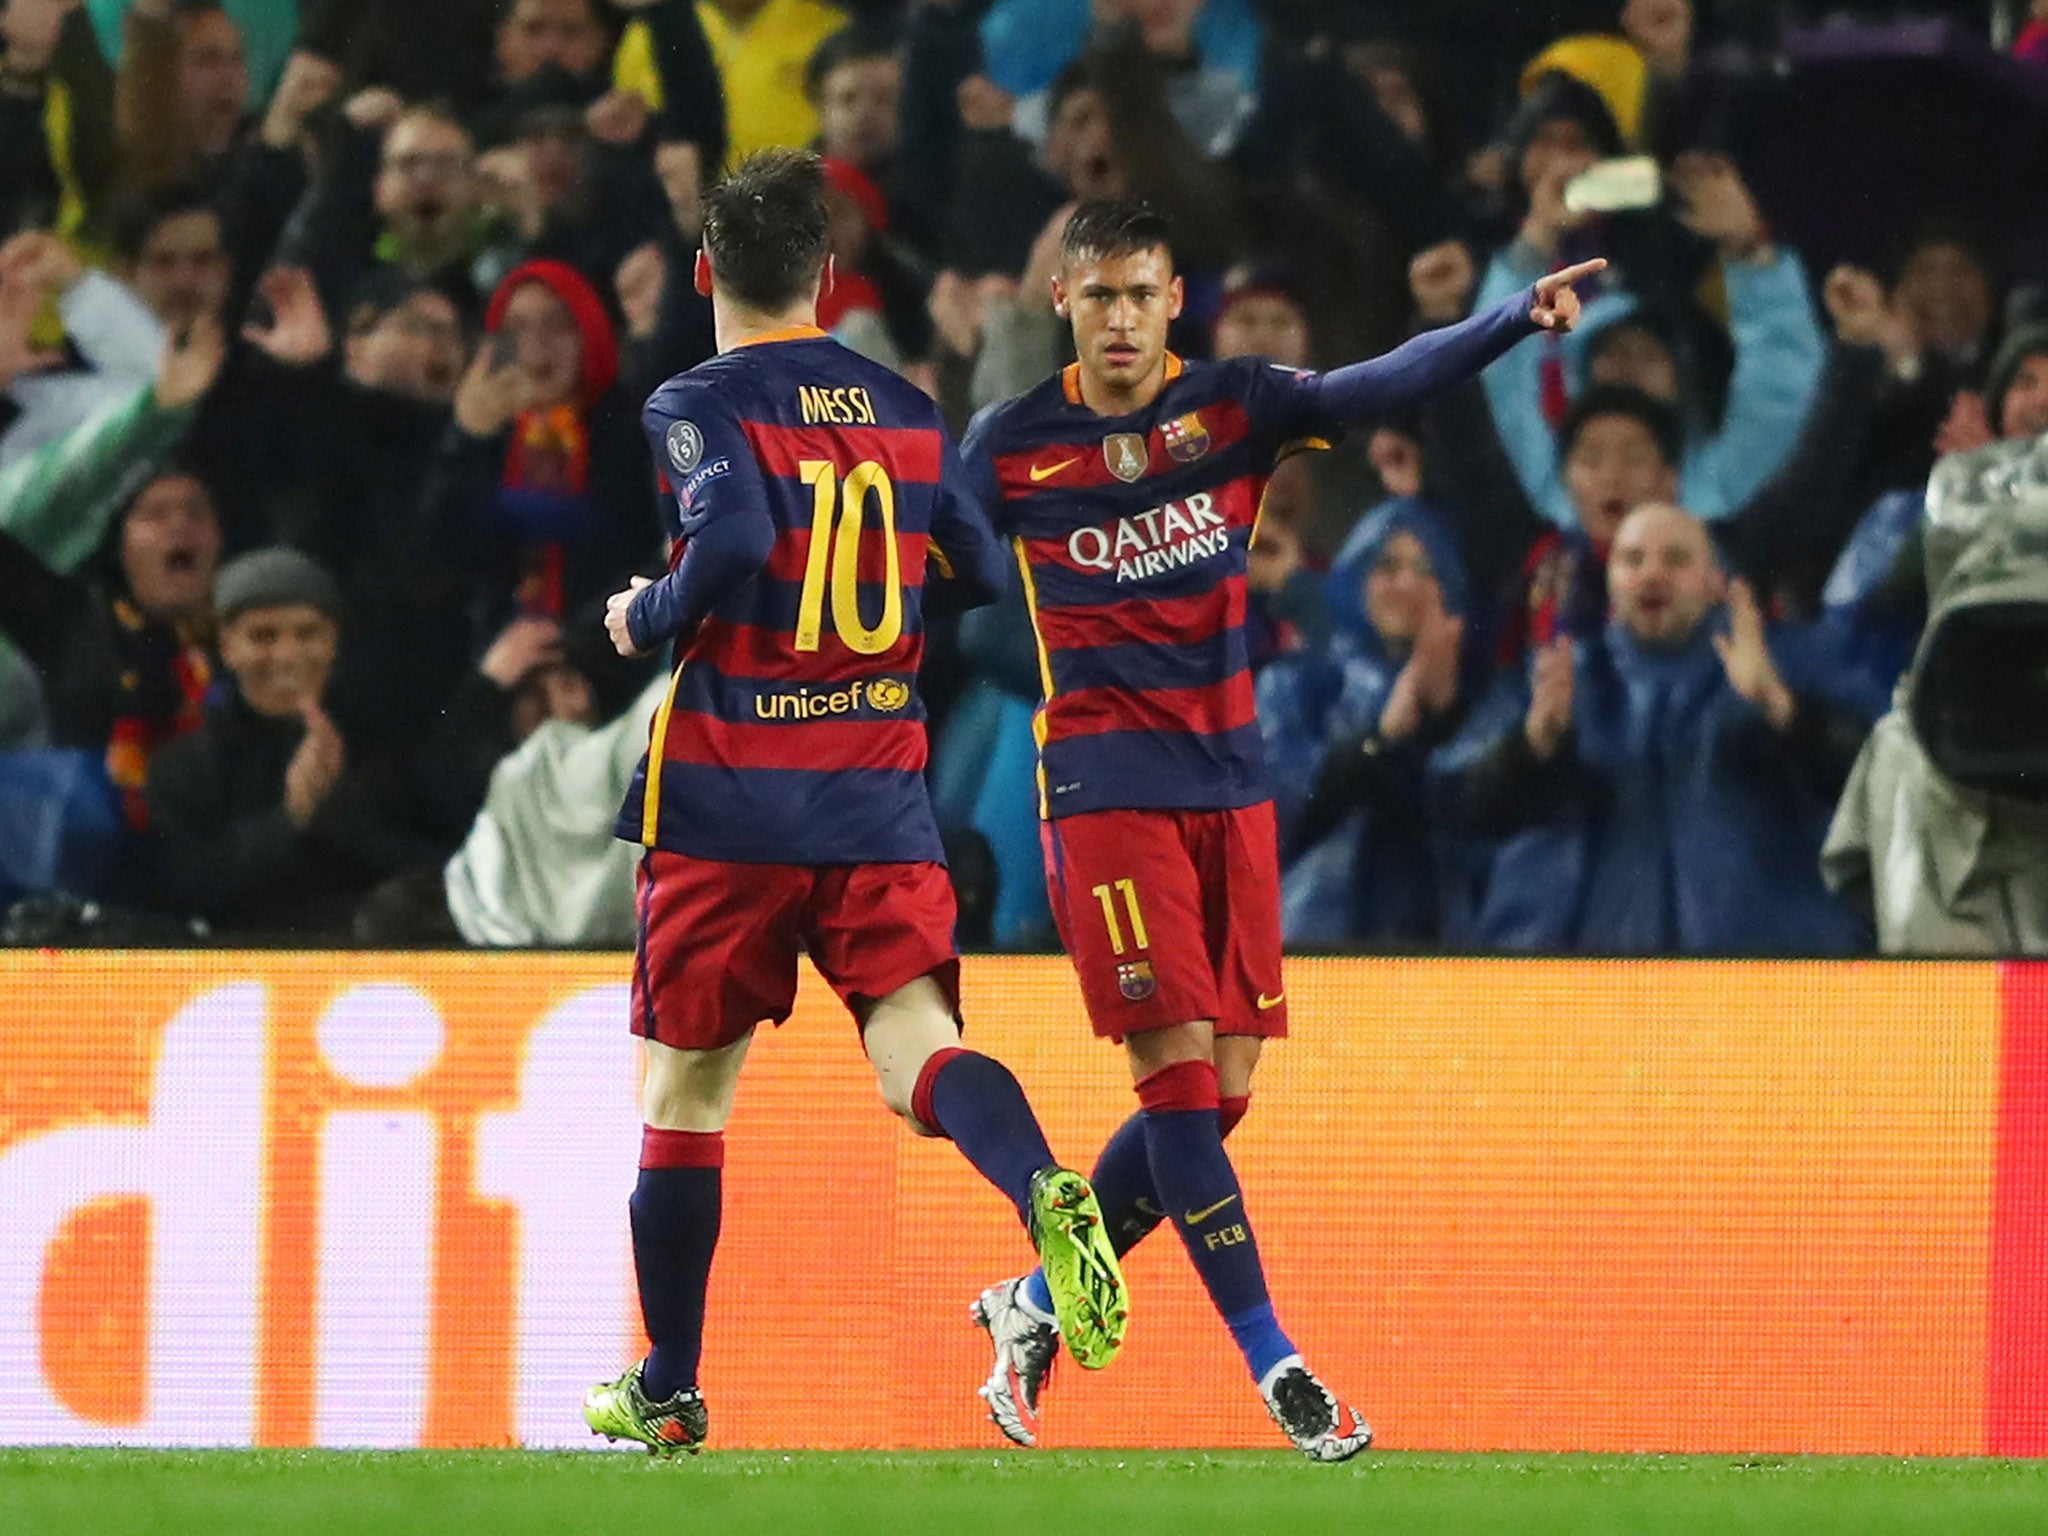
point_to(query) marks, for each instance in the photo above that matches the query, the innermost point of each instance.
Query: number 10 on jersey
(838, 523)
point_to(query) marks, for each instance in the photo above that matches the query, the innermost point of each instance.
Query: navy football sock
(976, 1101)
(1199, 1189)
(676, 1208)
(1123, 1184)
(1123, 1176)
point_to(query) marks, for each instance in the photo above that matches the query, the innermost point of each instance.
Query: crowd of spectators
(324, 326)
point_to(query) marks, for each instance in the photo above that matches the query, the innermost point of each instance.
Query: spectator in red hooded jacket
(541, 489)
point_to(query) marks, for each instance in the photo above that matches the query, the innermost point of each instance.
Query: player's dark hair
(1109, 227)
(851, 43)
(1661, 421)
(764, 228)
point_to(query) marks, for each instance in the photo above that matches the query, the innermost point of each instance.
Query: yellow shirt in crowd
(762, 67)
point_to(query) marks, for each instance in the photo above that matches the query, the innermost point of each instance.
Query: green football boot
(1081, 1270)
(620, 1410)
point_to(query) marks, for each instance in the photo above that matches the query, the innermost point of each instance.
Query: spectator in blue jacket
(1627, 339)
(1348, 729)
(1662, 788)
(1874, 604)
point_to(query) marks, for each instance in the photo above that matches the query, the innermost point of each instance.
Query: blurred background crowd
(1719, 626)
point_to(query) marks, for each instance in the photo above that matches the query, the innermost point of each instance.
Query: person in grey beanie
(274, 578)
(2016, 388)
(274, 818)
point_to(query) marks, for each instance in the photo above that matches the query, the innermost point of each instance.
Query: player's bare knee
(903, 1112)
(691, 1090)
(1237, 1057)
(1154, 1050)
(901, 1033)
(898, 1086)
(922, 1000)
(899, 1070)
(897, 1095)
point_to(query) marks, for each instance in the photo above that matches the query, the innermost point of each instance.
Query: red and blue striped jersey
(1130, 533)
(809, 489)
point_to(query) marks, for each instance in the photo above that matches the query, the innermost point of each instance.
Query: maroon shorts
(718, 943)
(1171, 917)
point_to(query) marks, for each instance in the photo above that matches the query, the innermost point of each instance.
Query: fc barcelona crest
(1185, 437)
(1135, 980)
(1127, 456)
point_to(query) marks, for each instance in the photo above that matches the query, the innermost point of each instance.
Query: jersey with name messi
(1131, 533)
(793, 732)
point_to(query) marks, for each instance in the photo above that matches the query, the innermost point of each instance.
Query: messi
(835, 407)
(1161, 539)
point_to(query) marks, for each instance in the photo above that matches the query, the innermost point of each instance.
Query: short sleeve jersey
(1131, 532)
(792, 731)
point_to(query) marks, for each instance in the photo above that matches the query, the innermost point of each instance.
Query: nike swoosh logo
(1041, 472)
(1266, 1002)
(1196, 1218)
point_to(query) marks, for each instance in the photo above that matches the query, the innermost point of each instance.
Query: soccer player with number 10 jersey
(782, 800)
(1130, 486)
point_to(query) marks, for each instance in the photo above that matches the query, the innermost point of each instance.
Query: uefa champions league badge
(685, 446)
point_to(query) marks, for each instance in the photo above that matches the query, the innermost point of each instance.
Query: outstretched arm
(1426, 364)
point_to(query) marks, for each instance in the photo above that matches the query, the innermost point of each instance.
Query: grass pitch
(1098, 1493)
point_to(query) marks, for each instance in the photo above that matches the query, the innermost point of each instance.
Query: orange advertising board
(340, 1199)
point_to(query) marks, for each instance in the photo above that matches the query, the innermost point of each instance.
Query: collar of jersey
(787, 333)
(1070, 377)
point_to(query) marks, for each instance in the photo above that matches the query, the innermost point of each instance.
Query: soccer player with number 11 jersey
(782, 799)
(1130, 486)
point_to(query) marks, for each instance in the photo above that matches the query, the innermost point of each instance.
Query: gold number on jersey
(1106, 894)
(843, 506)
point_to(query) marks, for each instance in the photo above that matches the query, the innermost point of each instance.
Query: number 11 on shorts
(1107, 894)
